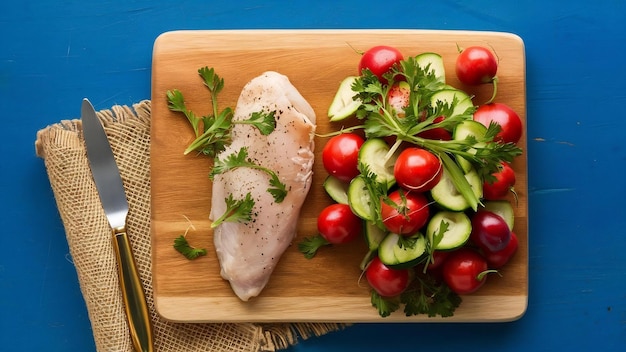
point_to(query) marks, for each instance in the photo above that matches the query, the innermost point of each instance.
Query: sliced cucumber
(359, 199)
(457, 233)
(373, 154)
(504, 208)
(447, 196)
(343, 104)
(436, 64)
(402, 252)
(336, 189)
(460, 99)
(469, 128)
(374, 235)
(463, 130)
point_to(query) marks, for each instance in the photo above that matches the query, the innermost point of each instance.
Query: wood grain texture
(326, 288)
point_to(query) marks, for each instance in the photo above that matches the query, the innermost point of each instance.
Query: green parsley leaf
(183, 247)
(433, 241)
(428, 296)
(278, 190)
(310, 245)
(265, 122)
(237, 210)
(384, 305)
(376, 190)
(444, 302)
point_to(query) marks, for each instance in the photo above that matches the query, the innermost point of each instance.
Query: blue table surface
(52, 54)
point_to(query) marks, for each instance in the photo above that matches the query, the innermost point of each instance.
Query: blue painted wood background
(54, 53)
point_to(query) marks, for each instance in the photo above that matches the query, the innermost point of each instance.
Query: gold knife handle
(132, 292)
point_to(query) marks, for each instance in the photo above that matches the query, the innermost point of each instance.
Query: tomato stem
(494, 82)
(482, 275)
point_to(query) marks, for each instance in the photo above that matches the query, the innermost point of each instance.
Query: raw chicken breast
(248, 252)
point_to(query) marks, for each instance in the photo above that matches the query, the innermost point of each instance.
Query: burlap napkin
(88, 235)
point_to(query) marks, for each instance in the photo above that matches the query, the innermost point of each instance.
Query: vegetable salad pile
(424, 176)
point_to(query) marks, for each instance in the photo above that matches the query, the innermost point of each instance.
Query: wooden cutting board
(328, 287)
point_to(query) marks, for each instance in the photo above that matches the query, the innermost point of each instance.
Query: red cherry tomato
(509, 121)
(417, 169)
(476, 65)
(398, 97)
(439, 257)
(408, 215)
(340, 156)
(437, 133)
(500, 188)
(489, 231)
(380, 59)
(386, 281)
(499, 258)
(337, 224)
(464, 271)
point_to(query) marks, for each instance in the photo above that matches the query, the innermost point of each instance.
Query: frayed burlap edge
(62, 148)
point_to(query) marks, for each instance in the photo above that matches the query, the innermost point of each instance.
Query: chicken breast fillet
(249, 252)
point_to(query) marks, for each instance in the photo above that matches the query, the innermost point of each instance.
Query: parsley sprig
(433, 241)
(237, 210)
(183, 247)
(310, 245)
(213, 131)
(240, 159)
(425, 295)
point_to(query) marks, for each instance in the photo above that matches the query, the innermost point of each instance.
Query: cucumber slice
(343, 104)
(336, 189)
(457, 233)
(447, 196)
(372, 154)
(402, 252)
(460, 99)
(359, 199)
(436, 64)
(504, 208)
(463, 130)
(469, 128)
(374, 235)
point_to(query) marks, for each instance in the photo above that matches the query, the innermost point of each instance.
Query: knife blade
(110, 188)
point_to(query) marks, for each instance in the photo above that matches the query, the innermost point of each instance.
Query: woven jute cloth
(88, 234)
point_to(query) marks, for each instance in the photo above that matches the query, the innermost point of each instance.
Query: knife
(113, 198)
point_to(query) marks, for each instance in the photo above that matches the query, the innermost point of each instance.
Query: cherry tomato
(437, 133)
(476, 65)
(340, 156)
(398, 97)
(337, 224)
(380, 59)
(388, 282)
(499, 258)
(500, 188)
(439, 257)
(509, 121)
(417, 169)
(489, 231)
(464, 271)
(409, 214)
